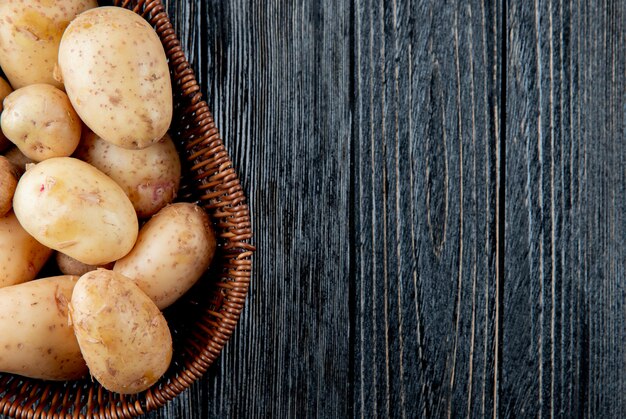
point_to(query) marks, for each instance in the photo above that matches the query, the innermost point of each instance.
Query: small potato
(173, 250)
(72, 207)
(150, 177)
(29, 37)
(37, 340)
(123, 336)
(8, 182)
(70, 266)
(117, 77)
(21, 256)
(5, 90)
(40, 121)
(15, 156)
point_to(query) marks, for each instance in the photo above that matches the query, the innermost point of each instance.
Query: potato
(37, 340)
(72, 207)
(116, 75)
(5, 90)
(174, 248)
(29, 37)
(150, 177)
(8, 182)
(40, 121)
(21, 256)
(70, 266)
(123, 336)
(15, 156)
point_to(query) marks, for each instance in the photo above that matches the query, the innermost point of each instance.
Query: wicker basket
(204, 319)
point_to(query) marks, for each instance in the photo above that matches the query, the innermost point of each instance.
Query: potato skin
(174, 248)
(70, 266)
(5, 90)
(123, 336)
(72, 207)
(116, 75)
(15, 156)
(40, 121)
(21, 256)
(8, 182)
(37, 340)
(29, 37)
(150, 177)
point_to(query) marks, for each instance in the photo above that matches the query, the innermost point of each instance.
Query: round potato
(21, 256)
(150, 177)
(116, 75)
(123, 336)
(70, 266)
(8, 182)
(72, 207)
(174, 248)
(40, 121)
(5, 90)
(36, 339)
(29, 37)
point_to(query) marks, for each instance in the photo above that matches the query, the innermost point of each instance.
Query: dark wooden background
(438, 193)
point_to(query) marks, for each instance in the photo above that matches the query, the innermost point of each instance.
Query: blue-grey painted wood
(427, 121)
(564, 314)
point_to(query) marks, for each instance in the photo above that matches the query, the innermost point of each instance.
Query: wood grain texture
(425, 184)
(564, 314)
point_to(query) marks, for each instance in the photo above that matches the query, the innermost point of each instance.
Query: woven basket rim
(213, 184)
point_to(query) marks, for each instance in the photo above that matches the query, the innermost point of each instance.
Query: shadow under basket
(204, 319)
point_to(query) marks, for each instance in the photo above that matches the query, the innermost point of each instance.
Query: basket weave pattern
(201, 324)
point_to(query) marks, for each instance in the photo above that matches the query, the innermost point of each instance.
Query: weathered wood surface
(425, 182)
(564, 314)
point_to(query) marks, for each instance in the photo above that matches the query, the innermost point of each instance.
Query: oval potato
(29, 37)
(40, 121)
(150, 177)
(21, 256)
(123, 336)
(70, 206)
(117, 77)
(174, 248)
(37, 340)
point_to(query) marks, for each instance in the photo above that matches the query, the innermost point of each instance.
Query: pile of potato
(87, 177)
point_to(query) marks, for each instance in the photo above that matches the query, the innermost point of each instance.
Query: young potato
(15, 156)
(5, 90)
(37, 340)
(116, 75)
(70, 266)
(40, 121)
(123, 336)
(8, 182)
(72, 207)
(150, 177)
(21, 256)
(29, 37)
(173, 250)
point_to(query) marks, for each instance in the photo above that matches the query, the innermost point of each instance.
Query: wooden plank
(427, 86)
(564, 316)
(276, 77)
